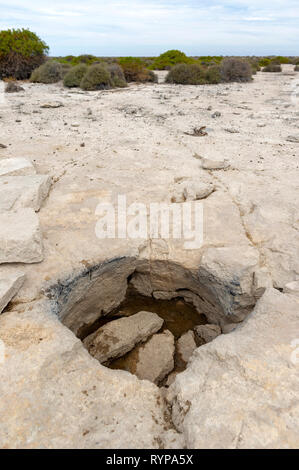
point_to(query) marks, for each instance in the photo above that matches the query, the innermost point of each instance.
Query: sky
(150, 27)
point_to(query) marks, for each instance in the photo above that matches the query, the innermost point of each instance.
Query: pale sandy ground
(241, 390)
(135, 145)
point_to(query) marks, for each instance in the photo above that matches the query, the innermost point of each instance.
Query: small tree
(170, 58)
(21, 51)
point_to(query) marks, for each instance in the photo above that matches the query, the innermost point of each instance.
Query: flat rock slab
(9, 286)
(20, 237)
(153, 360)
(118, 337)
(241, 391)
(156, 357)
(16, 167)
(23, 191)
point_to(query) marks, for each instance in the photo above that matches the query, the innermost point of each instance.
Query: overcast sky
(149, 27)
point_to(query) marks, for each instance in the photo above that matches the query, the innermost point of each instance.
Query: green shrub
(74, 76)
(213, 75)
(97, 77)
(65, 68)
(297, 68)
(186, 74)
(21, 51)
(193, 74)
(273, 67)
(209, 60)
(170, 58)
(117, 75)
(264, 62)
(280, 60)
(235, 70)
(134, 70)
(50, 72)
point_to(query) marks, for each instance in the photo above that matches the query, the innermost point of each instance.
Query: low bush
(213, 75)
(297, 68)
(170, 58)
(21, 51)
(97, 77)
(272, 67)
(74, 76)
(185, 74)
(50, 72)
(117, 75)
(135, 71)
(193, 74)
(235, 70)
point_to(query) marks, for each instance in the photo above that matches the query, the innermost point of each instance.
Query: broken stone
(216, 114)
(208, 164)
(207, 333)
(20, 237)
(120, 336)
(9, 286)
(16, 167)
(2, 146)
(23, 191)
(52, 105)
(196, 191)
(293, 138)
(292, 288)
(232, 130)
(186, 345)
(155, 358)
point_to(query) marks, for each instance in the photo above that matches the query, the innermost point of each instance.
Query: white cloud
(148, 27)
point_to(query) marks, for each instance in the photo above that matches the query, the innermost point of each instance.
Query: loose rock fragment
(16, 167)
(208, 164)
(52, 105)
(9, 287)
(207, 333)
(23, 191)
(293, 138)
(153, 360)
(292, 288)
(20, 237)
(196, 191)
(120, 336)
(186, 345)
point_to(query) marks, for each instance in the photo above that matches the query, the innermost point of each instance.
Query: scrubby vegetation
(193, 74)
(97, 77)
(21, 51)
(117, 76)
(297, 68)
(170, 58)
(50, 72)
(74, 76)
(235, 70)
(135, 70)
(273, 67)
